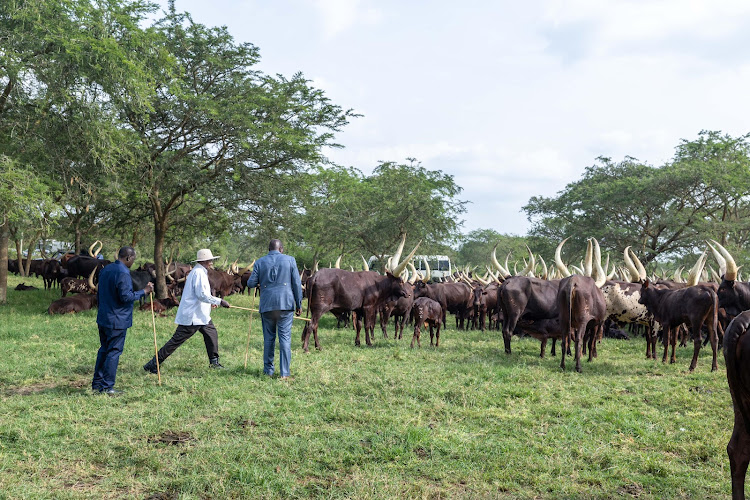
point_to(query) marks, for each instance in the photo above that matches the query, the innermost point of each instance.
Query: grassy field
(461, 421)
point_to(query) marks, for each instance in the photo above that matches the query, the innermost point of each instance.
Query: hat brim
(206, 260)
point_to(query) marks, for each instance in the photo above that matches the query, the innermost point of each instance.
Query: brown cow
(73, 304)
(582, 311)
(736, 355)
(426, 311)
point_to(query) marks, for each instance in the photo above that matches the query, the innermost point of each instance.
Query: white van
(440, 265)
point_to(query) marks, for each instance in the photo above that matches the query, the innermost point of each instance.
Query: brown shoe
(287, 379)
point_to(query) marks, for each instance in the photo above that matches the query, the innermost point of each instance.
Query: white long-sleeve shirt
(196, 300)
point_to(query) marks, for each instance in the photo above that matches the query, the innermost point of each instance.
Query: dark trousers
(184, 332)
(111, 343)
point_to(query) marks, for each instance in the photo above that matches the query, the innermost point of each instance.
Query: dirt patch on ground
(171, 437)
(633, 490)
(29, 389)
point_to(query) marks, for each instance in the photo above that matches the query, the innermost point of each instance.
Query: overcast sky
(514, 99)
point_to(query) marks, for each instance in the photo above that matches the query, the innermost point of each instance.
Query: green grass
(461, 421)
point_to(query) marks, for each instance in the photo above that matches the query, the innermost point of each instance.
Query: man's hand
(149, 288)
(224, 303)
(298, 312)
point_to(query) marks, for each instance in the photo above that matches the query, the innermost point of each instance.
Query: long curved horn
(315, 267)
(337, 265)
(634, 275)
(577, 270)
(91, 281)
(247, 268)
(91, 249)
(677, 275)
(614, 269)
(365, 267)
(558, 260)
(588, 266)
(600, 276)
(495, 263)
(388, 263)
(483, 281)
(396, 256)
(714, 275)
(400, 268)
(719, 259)
(515, 269)
(545, 273)
(413, 273)
(731, 272)
(529, 269)
(694, 276)
(639, 266)
(506, 265)
(428, 274)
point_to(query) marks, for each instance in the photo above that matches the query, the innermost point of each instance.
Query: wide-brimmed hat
(205, 254)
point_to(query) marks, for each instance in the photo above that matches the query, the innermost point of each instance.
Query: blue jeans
(273, 321)
(112, 341)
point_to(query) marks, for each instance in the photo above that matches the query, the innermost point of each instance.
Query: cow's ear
(645, 283)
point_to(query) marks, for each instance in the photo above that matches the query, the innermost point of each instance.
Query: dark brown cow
(73, 285)
(452, 297)
(695, 306)
(582, 312)
(51, 272)
(161, 305)
(223, 283)
(81, 266)
(737, 357)
(337, 291)
(400, 309)
(426, 311)
(73, 304)
(542, 330)
(527, 298)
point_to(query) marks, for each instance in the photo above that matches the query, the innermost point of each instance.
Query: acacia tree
(216, 128)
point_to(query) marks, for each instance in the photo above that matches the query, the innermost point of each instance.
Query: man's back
(115, 297)
(280, 286)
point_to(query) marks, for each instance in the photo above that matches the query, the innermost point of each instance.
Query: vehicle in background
(440, 265)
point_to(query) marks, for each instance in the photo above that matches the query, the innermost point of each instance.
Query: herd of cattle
(573, 308)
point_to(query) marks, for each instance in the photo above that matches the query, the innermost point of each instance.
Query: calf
(161, 305)
(73, 304)
(24, 286)
(696, 306)
(582, 312)
(426, 310)
(736, 353)
(542, 330)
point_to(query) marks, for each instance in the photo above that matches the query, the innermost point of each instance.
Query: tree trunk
(29, 253)
(4, 242)
(160, 232)
(19, 256)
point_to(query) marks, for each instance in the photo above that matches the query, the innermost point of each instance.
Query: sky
(514, 99)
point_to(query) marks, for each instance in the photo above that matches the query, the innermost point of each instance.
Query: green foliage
(476, 248)
(461, 421)
(666, 211)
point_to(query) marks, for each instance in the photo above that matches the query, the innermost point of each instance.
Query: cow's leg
(666, 332)
(565, 346)
(579, 345)
(697, 343)
(384, 317)
(738, 450)
(369, 326)
(554, 343)
(714, 344)
(432, 334)
(357, 327)
(673, 341)
(437, 335)
(416, 334)
(544, 347)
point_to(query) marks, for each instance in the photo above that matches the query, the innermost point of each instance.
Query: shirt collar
(273, 252)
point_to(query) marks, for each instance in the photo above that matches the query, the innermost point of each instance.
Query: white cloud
(339, 16)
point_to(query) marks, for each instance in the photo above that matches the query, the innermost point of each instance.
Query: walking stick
(250, 327)
(156, 349)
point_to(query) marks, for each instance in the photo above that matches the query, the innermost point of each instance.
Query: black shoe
(214, 363)
(151, 366)
(112, 392)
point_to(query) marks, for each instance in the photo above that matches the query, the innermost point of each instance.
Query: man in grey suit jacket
(280, 297)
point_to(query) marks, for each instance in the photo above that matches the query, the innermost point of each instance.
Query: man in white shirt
(194, 314)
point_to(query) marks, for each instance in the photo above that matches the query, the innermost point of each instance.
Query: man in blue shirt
(115, 316)
(280, 297)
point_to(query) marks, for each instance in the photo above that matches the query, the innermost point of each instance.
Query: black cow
(24, 286)
(400, 309)
(51, 272)
(542, 330)
(426, 311)
(582, 311)
(695, 305)
(80, 266)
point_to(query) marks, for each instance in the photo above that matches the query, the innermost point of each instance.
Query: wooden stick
(255, 310)
(156, 348)
(250, 326)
